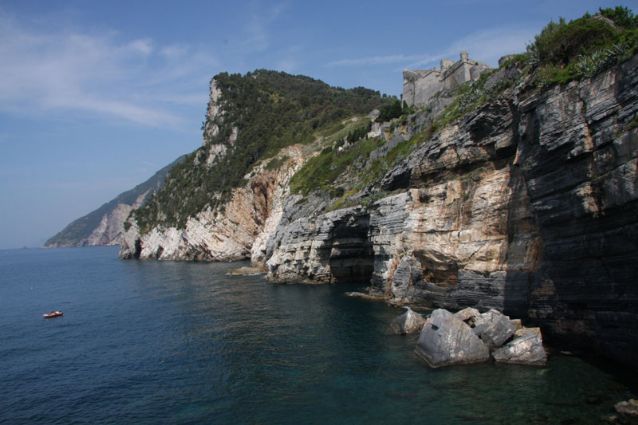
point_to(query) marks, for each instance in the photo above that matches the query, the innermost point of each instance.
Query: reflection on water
(149, 342)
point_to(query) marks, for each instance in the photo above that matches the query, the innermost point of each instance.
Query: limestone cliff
(528, 205)
(236, 232)
(111, 227)
(517, 191)
(223, 201)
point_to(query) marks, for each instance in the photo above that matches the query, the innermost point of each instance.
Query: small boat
(53, 314)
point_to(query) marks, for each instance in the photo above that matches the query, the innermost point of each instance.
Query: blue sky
(95, 96)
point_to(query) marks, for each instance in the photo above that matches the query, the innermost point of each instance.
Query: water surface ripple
(182, 343)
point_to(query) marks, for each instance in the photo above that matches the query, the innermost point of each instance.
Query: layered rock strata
(234, 233)
(528, 205)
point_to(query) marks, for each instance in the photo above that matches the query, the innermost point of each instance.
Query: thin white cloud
(487, 46)
(261, 17)
(491, 44)
(134, 80)
(287, 64)
(377, 60)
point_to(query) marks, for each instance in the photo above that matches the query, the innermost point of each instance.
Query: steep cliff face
(328, 248)
(528, 205)
(111, 227)
(582, 184)
(226, 198)
(233, 232)
(512, 195)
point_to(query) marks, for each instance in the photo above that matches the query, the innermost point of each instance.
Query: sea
(146, 342)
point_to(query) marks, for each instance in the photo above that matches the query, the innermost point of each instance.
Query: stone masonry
(420, 85)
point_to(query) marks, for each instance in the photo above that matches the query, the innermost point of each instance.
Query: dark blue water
(182, 343)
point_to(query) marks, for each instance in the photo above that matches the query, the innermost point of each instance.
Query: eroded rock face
(445, 340)
(453, 221)
(328, 248)
(250, 214)
(407, 323)
(526, 348)
(528, 206)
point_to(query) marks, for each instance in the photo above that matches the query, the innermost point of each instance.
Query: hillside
(105, 225)
(250, 118)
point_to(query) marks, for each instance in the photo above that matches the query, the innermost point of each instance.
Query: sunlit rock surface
(526, 348)
(445, 340)
(407, 323)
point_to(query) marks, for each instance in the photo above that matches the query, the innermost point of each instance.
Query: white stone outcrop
(446, 339)
(237, 232)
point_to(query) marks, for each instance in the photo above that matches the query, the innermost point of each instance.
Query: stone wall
(419, 86)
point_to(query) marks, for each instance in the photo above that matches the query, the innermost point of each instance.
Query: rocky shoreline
(527, 205)
(469, 336)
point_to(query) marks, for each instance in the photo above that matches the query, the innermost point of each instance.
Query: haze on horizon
(97, 96)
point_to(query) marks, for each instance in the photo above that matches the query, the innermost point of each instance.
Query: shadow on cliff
(572, 265)
(351, 256)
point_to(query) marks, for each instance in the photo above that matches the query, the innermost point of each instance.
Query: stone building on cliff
(420, 85)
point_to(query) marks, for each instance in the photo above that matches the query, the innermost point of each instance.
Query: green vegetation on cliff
(270, 110)
(322, 171)
(566, 51)
(264, 111)
(562, 52)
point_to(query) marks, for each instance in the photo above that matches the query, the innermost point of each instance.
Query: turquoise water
(182, 343)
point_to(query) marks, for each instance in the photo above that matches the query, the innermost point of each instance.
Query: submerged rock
(246, 271)
(407, 323)
(364, 296)
(446, 340)
(494, 328)
(526, 348)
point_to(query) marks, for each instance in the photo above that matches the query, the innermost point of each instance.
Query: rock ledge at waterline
(470, 337)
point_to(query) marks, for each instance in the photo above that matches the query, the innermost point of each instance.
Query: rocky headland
(105, 225)
(513, 193)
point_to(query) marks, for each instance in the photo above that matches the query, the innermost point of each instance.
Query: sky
(95, 96)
